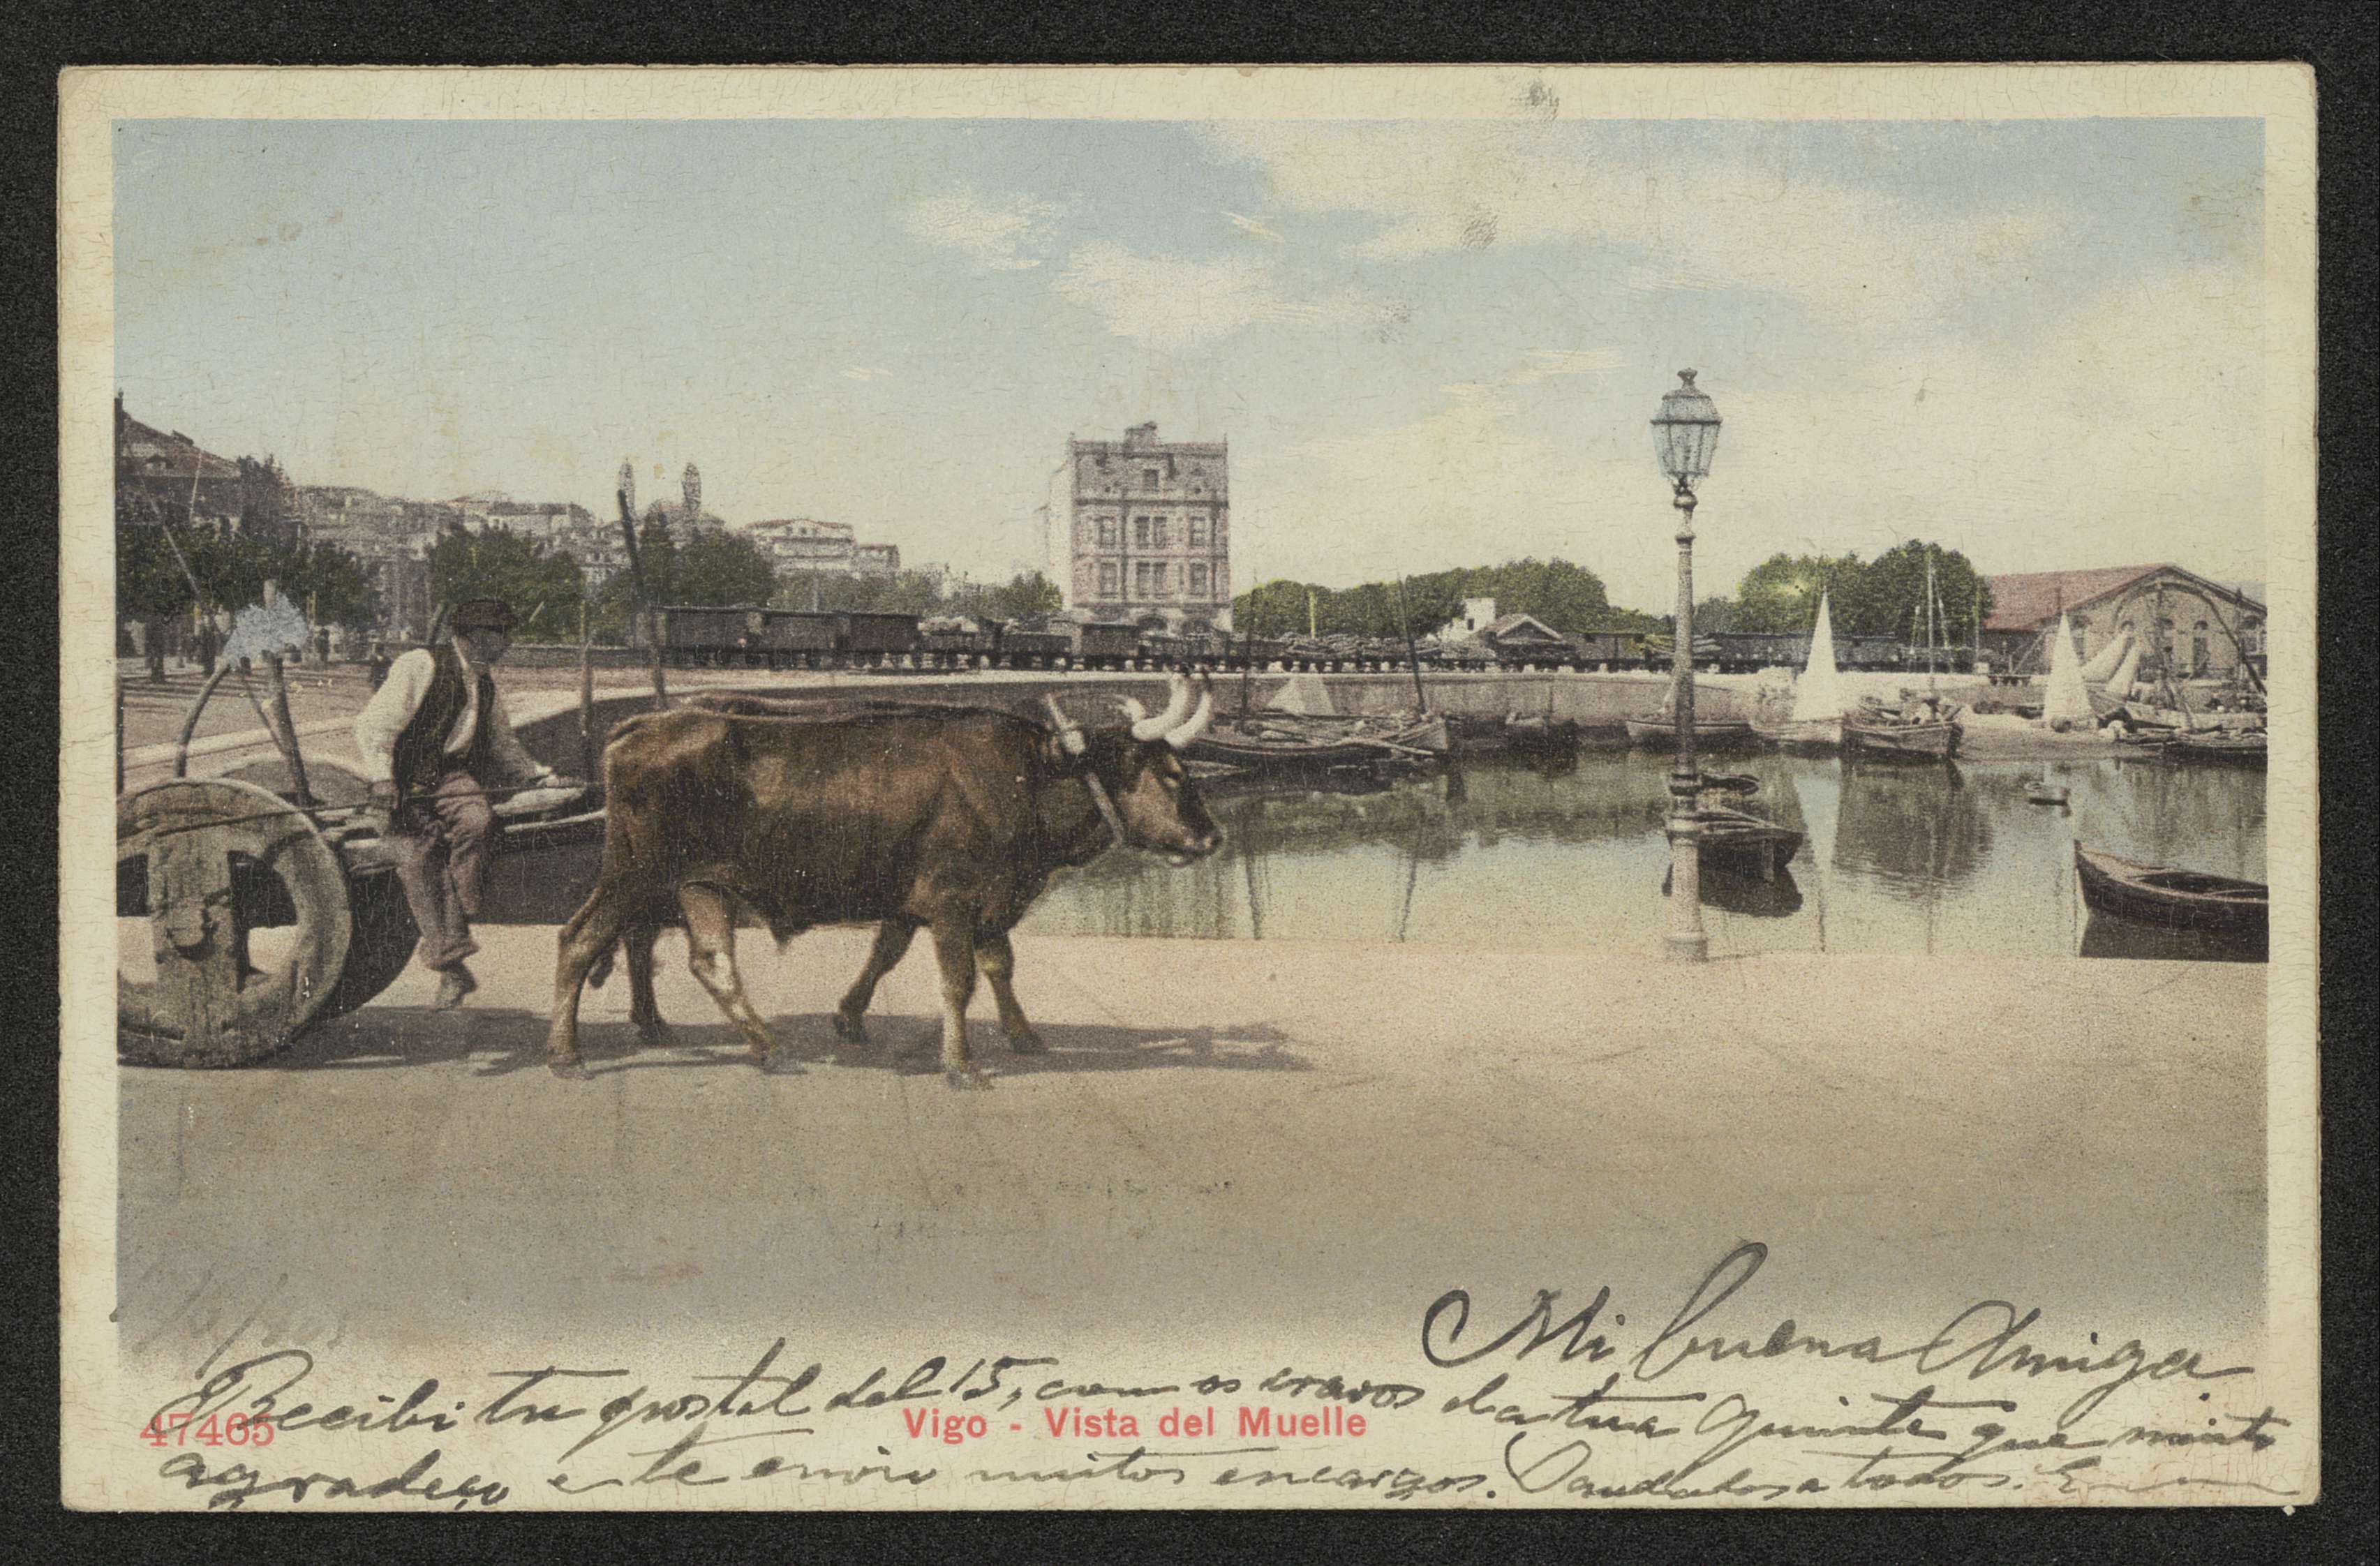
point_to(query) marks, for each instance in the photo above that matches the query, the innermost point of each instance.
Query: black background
(37, 41)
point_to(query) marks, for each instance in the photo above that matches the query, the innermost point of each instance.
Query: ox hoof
(1027, 1043)
(655, 1035)
(851, 1028)
(972, 1080)
(778, 1063)
(572, 1070)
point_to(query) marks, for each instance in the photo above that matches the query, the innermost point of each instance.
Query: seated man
(436, 741)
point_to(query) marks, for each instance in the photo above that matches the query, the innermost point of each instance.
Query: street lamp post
(1684, 433)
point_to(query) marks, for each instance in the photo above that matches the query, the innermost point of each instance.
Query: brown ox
(949, 818)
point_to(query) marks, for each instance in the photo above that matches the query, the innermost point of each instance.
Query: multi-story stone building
(1140, 528)
(804, 544)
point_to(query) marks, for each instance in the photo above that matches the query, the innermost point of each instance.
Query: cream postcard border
(91, 100)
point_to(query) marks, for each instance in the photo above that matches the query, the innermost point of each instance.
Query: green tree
(544, 587)
(722, 569)
(1279, 609)
(1887, 596)
(1028, 595)
(1566, 596)
(1713, 615)
(1781, 593)
(331, 582)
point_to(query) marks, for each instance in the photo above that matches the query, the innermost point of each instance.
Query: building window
(1150, 477)
(1157, 532)
(1148, 579)
(2252, 631)
(1140, 532)
(1107, 579)
(1197, 532)
(1108, 531)
(1197, 579)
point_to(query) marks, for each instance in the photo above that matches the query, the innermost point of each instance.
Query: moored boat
(1935, 741)
(2237, 749)
(1708, 730)
(1740, 842)
(2154, 894)
(1804, 735)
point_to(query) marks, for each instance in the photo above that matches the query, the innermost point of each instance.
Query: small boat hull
(1901, 742)
(1739, 842)
(2230, 751)
(2152, 894)
(1808, 735)
(1708, 731)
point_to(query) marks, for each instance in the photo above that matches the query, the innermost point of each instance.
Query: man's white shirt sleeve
(390, 707)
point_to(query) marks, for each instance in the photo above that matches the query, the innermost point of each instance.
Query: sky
(1429, 343)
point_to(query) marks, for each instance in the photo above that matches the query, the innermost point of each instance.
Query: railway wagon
(1034, 648)
(1101, 644)
(1741, 652)
(1870, 652)
(1616, 649)
(1161, 650)
(878, 638)
(956, 644)
(701, 634)
(795, 638)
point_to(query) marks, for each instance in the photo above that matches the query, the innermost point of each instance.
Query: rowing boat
(2153, 894)
(1745, 843)
(1919, 742)
(1708, 730)
(2234, 750)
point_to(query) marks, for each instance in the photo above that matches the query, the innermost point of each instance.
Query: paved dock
(1227, 1139)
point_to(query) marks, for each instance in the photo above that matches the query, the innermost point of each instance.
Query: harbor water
(1898, 859)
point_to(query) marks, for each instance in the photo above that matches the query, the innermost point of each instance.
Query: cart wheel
(211, 865)
(381, 946)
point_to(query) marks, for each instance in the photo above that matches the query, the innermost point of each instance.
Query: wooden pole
(1413, 649)
(645, 603)
(586, 696)
(285, 733)
(1248, 659)
(191, 720)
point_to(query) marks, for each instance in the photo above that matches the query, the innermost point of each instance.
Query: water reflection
(1524, 856)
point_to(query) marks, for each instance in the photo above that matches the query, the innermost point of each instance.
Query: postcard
(1486, 787)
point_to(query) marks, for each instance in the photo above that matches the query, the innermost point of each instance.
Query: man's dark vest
(420, 754)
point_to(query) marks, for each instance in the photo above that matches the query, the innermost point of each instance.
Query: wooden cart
(264, 919)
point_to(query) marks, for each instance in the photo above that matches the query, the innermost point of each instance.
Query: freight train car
(877, 640)
(956, 644)
(718, 636)
(794, 640)
(699, 635)
(1101, 644)
(1613, 649)
(1025, 647)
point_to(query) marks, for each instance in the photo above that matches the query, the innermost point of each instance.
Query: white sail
(1817, 693)
(2064, 700)
(2120, 681)
(2101, 670)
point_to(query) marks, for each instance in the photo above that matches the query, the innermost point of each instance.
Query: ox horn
(1180, 738)
(1176, 706)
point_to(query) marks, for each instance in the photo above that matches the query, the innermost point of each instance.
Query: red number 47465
(214, 1430)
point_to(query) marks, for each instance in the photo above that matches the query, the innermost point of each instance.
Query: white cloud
(1545, 364)
(1166, 302)
(1252, 226)
(993, 235)
(2128, 434)
(1710, 222)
